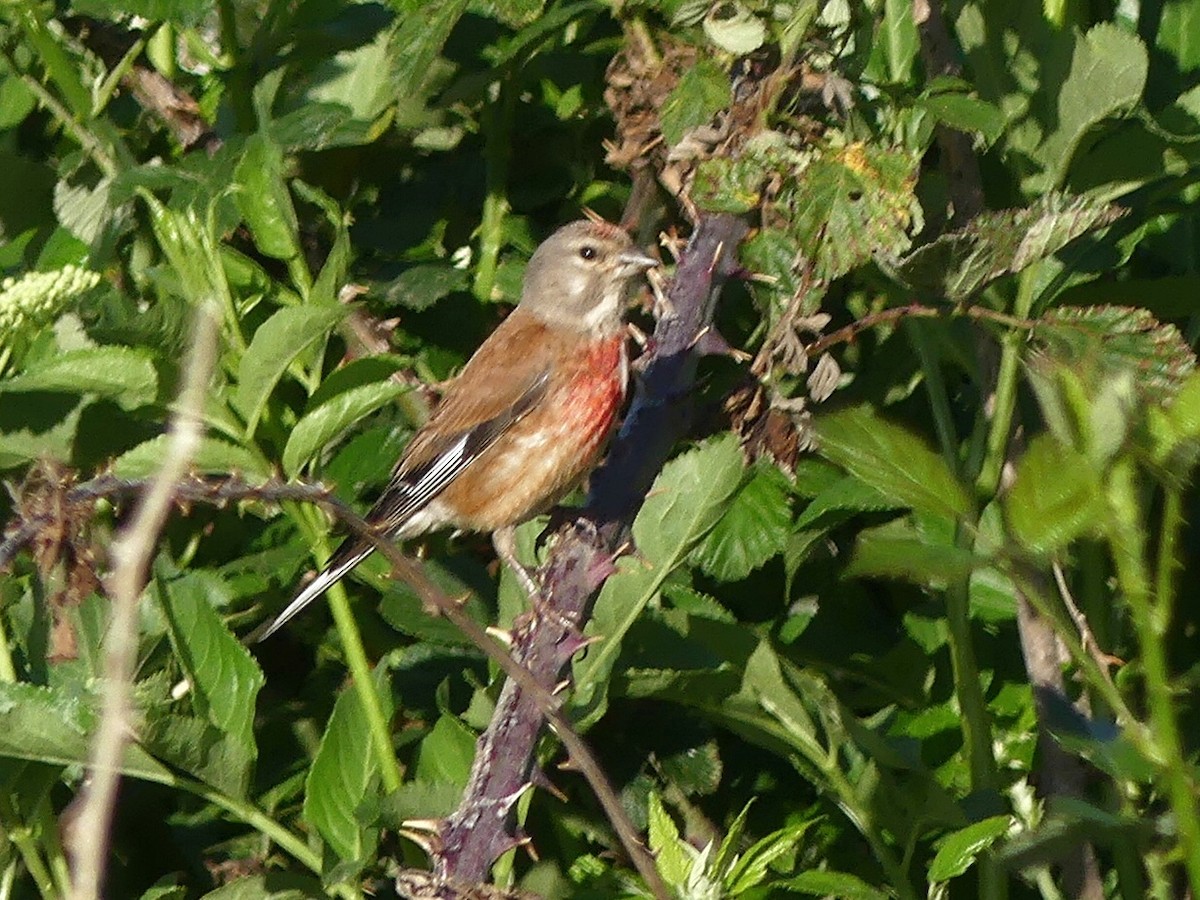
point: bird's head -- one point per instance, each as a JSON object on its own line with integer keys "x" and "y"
{"x": 579, "y": 276}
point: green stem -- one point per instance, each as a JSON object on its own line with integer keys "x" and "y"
{"x": 1152, "y": 619}
{"x": 935, "y": 386}
{"x": 498, "y": 140}
{"x": 356, "y": 658}
{"x": 58, "y": 65}
{"x": 109, "y": 86}
{"x": 976, "y": 725}
{"x": 364, "y": 686}
{"x": 60, "y": 871}
{"x": 21, "y": 836}
{"x": 1005, "y": 397}
{"x": 862, "y": 818}
{"x": 8, "y": 671}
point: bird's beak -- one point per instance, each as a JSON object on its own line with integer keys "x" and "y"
{"x": 634, "y": 262}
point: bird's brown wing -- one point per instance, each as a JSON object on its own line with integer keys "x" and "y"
{"x": 506, "y": 378}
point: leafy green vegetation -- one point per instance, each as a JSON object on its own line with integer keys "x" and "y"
{"x": 905, "y": 610}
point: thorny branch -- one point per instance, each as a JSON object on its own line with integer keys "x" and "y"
{"x": 545, "y": 638}
{"x": 234, "y": 489}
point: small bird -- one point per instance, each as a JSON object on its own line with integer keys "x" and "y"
{"x": 528, "y": 415}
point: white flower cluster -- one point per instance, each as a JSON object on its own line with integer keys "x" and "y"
{"x": 36, "y": 298}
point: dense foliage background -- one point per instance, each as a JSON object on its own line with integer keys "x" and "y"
{"x": 909, "y": 615}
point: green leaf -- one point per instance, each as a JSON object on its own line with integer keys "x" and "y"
{"x": 418, "y": 41}
{"x": 214, "y": 456}
{"x": 898, "y": 38}
{"x": 838, "y": 885}
{"x": 753, "y": 529}
{"x": 730, "y": 847}
{"x": 898, "y": 550}
{"x": 198, "y": 747}
{"x": 959, "y": 851}
{"x": 275, "y": 344}
{"x": 333, "y": 417}
{"x": 123, "y": 373}
{"x": 852, "y": 204}
{"x": 180, "y": 12}
{"x": 1109, "y": 339}
{"x": 86, "y": 210}
{"x": 841, "y": 499}
{"x": 1055, "y": 498}
{"x": 446, "y": 753}
{"x": 275, "y": 886}
{"x": 685, "y": 502}
{"x": 343, "y": 772}
{"x": 264, "y": 200}
{"x": 957, "y": 265}
{"x": 1178, "y": 33}
{"x": 55, "y": 726}
{"x": 673, "y": 862}
{"x": 419, "y": 287}
{"x": 1108, "y": 72}
{"x": 892, "y": 460}
{"x": 687, "y": 499}
{"x": 734, "y": 28}
{"x": 702, "y": 92}
{"x": 225, "y": 679}
{"x": 752, "y": 868}
{"x": 360, "y": 79}
{"x": 965, "y": 112}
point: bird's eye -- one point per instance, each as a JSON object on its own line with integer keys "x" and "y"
{"x": 587, "y": 251}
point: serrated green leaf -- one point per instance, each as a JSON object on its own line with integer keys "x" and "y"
{"x": 275, "y": 344}
{"x": 703, "y": 91}
{"x": 342, "y": 772}
{"x": 214, "y": 456}
{"x": 1108, "y": 339}
{"x": 684, "y": 503}
{"x": 687, "y": 499}
{"x": 853, "y": 204}
{"x": 1108, "y": 72}
{"x": 197, "y": 747}
{"x": 1055, "y": 498}
{"x": 753, "y": 529}
{"x": 960, "y": 850}
{"x": 264, "y": 200}
{"x": 846, "y": 496}
{"x": 333, "y": 417}
{"x": 225, "y": 679}
{"x": 892, "y": 460}
{"x": 694, "y": 770}
{"x": 85, "y": 210}
{"x": 125, "y": 374}
{"x": 55, "y": 726}
{"x": 898, "y": 550}
{"x": 727, "y": 853}
{"x": 752, "y": 868}
{"x": 672, "y": 861}
{"x": 418, "y": 41}
{"x": 1184, "y": 411}
{"x": 957, "y": 265}
{"x": 420, "y": 287}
